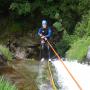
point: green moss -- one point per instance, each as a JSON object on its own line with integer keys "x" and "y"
{"x": 78, "y": 49}
{"x": 5, "y": 51}
{"x": 6, "y": 85}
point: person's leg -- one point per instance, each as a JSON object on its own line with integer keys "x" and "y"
{"x": 42, "y": 51}
{"x": 49, "y": 53}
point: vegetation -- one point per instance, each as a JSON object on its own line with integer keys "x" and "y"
{"x": 5, "y": 51}
{"x": 58, "y": 26}
{"x": 17, "y": 16}
{"x": 78, "y": 49}
{"x": 20, "y": 8}
{"x": 5, "y": 85}
{"x": 82, "y": 28}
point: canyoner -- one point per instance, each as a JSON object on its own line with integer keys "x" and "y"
{"x": 45, "y": 34}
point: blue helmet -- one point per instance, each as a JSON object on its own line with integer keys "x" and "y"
{"x": 44, "y": 22}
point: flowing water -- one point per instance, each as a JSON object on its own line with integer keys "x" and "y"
{"x": 21, "y": 73}
{"x": 43, "y": 77}
{"x": 34, "y": 75}
{"x": 81, "y": 73}
{"x": 27, "y": 74}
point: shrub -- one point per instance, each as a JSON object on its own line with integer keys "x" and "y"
{"x": 78, "y": 49}
{"x": 21, "y": 8}
{"x": 5, "y": 85}
{"x": 83, "y": 28}
{"x": 58, "y": 26}
{"x": 64, "y": 44}
{"x": 5, "y": 51}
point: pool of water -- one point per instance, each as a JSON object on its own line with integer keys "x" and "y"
{"x": 21, "y": 73}
{"x": 27, "y": 74}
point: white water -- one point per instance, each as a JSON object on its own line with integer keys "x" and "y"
{"x": 79, "y": 71}
{"x": 42, "y": 80}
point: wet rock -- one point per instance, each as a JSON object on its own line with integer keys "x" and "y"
{"x": 32, "y": 52}
{"x": 12, "y": 45}
{"x": 23, "y": 48}
{"x": 88, "y": 56}
{"x": 3, "y": 60}
{"x": 20, "y": 54}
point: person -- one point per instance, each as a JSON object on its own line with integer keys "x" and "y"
{"x": 45, "y": 34}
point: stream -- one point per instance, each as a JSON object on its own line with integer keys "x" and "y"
{"x": 81, "y": 72}
{"x": 22, "y": 73}
{"x": 34, "y": 75}
{"x": 27, "y": 74}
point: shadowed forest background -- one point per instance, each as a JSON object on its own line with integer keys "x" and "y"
{"x": 18, "y": 17}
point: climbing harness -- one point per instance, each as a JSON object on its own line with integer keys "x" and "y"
{"x": 52, "y": 81}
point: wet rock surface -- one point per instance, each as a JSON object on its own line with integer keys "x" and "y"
{"x": 3, "y": 60}
{"x": 88, "y": 55}
{"x": 87, "y": 59}
{"x": 23, "y": 47}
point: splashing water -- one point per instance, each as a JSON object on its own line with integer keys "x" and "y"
{"x": 43, "y": 79}
{"x": 81, "y": 73}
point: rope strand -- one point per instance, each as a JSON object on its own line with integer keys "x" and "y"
{"x": 51, "y": 77}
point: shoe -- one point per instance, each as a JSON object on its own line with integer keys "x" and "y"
{"x": 42, "y": 59}
{"x": 49, "y": 60}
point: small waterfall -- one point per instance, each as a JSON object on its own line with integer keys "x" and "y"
{"x": 81, "y": 73}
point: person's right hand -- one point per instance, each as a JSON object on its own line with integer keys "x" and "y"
{"x": 45, "y": 39}
{"x": 42, "y": 37}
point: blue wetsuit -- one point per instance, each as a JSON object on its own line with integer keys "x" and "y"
{"x": 47, "y": 33}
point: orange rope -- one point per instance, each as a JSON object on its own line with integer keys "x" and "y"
{"x": 64, "y": 66}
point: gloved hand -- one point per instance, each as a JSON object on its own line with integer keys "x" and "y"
{"x": 42, "y": 41}
{"x": 42, "y": 37}
{"x": 45, "y": 39}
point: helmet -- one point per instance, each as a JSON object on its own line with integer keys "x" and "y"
{"x": 44, "y": 22}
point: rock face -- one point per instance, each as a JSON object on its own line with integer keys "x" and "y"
{"x": 88, "y": 53}
{"x": 88, "y": 56}
{"x": 23, "y": 48}
{"x": 2, "y": 59}
{"x": 20, "y": 53}
{"x": 32, "y": 52}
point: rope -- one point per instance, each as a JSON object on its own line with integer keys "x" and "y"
{"x": 51, "y": 77}
{"x": 65, "y": 66}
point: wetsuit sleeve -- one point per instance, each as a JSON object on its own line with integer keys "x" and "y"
{"x": 49, "y": 33}
{"x": 39, "y": 31}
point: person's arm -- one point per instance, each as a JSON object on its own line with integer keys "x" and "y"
{"x": 49, "y": 33}
{"x": 40, "y": 32}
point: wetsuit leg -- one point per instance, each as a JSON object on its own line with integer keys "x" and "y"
{"x": 49, "y": 53}
{"x": 42, "y": 50}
